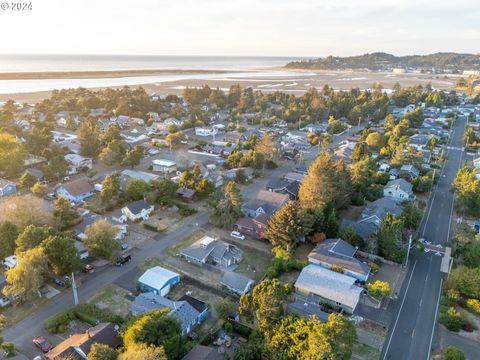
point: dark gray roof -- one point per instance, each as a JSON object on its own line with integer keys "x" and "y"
{"x": 380, "y": 208}
{"x": 87, "y": 220}
{"x": 201, "y": 352}
{"x": 304, "y": 309}
{"x": 363, "y": 229}
{"x": 339, "y": 253}
{"x": 235, "y": 281}
{"x": 137, "y": 206}
{"x": 277, "y": 184}
{"x": 198, "y": 305}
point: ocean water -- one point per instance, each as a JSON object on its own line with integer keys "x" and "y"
{"x": 235, "y": 67}
{"x": 34, "y": 63}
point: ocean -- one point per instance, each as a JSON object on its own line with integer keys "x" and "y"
{"x": 39, "y": 63}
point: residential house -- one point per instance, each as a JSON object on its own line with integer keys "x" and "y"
{"x": 419, "y": 141}
{"x": 318, "y": 285}
{"x": 202, "y": 352}
{"x": 253, "y": 227}
{"x": 294, "y": 176}
{"x": 186, "y": 194}
{"x": 158, "y": 280}
{"x": 76, "y": 191}
{"x": 128, "y": 174}
{"x": 301, "y": 169}
{"x": 89, "y": 219}
{"x": 78, "y": 346}
{"x": 264, "y": 202}
{"x": 284, "y": 187}
{"x": 189, "y": 311}
{"x": 208, "y": 250}
{"x": 411, "y": 171}
{"x": 237, "y": 283}
{"x": 344, "y": 152}
{"x": 78, "y": 162}
{"x": 164, "y": 166}
{"x": 232, "y": 173}
{"x": 37, "y": 174}
{"x": 82, "y": 251}
{"x": 399, "y": 190}
{"x": 338, "y": 255}
{"x": 204, "y": 131}
{"x": 7, "y": 187}
{"x": 138, "y": 210}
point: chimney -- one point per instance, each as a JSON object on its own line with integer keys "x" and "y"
{"x": 88, "y": 333}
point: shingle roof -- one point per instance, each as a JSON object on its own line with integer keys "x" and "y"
{"x": 381, "y": 207}
{"x": 103, "y": 333}
{"x": 137, "y": 206}
{"x": 235, "y": 281}
{"x": 198, "y": 305}
{"x": 78, "y": 187}
{"x": 339, "y": 253}
{"x": 201, "y": 352}
{"x": 329, "y": 285}
{"x": 401, "y": 184}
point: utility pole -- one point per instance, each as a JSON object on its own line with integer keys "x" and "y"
{"x": 433, "y": 177}
{"x": 74, "y": 288}
{"x": 408, "y": 250}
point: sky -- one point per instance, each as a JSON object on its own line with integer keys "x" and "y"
{"x": 305, "y": 28}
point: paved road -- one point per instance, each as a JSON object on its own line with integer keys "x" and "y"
{"x": 414, "y": 321}
{"x": 22, "y": 333}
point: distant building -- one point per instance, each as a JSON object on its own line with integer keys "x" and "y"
{"x": 7, "y": 187}
{"x": 76, "y": 191}
{"x": 138, "y": 210}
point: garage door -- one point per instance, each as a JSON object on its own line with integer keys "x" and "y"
{"x": 165, "y": 290}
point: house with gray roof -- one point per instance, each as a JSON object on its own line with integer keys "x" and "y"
{"x": 208, "y": 250}
{"x": 189, "y": 311}
{"x": 202, "y": 352}
{"x": 318, "y": 285}
{"x": 399, "y": 190}
{"x": 237, "y": 283}
{"x": 264, "y": 202}
{"x": 411, "y": 171}
{"x": 337, "y": 253}
{"x": 137, "y": 210}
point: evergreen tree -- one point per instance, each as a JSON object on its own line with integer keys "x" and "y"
{"x": 89, "y": 137}
{"x": 285, "y": 227}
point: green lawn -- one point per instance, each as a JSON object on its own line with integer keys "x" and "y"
{"x": 149, "y": 264}
{"x": 254, "y": 264}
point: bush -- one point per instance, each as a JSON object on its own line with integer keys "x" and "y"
{"x": 280, "y": 265}
{"x": 240, "y": 329}
{"x": 185, "y": 210}
{"x": 58, "y": 323}
{"x": 93, "y": 315}
{"x": 473, "y": 305}
{"x": 468, "y": 326}
{"x": 9, "y": 348}
{"x": 452, "y": 319}
{"x": 452, "y": 353}
{"x": 158, "y": 228}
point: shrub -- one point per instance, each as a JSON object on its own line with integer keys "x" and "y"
{"x": 9, "y": 348}
{"x": 93, "y": 315}
{"x": 468, "y": 326}
{"x": 280, "y": 265}
{"x": 473, "y": 305}
{"x": 58, "y": 323}
{"x": 373, "y": 266}
{"x": 379, "y": 289}
{"x": 452, "y": 353}
{"x": 452, "y": 319}
{"x": 240, "y": 329}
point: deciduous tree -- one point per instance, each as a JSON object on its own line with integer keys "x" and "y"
{"x": 101, "y": 240}
{"x": 64, "y": 213}
{"x": 61, "y": 253}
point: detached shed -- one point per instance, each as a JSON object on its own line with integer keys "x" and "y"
{"x": 158, "y": 280}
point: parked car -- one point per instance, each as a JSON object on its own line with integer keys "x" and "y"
{"x": 4, "y": 301}
{"x": 237, "y": 235}
{"x": 122, "y": 260}
{"x": 89, "y": 269}
{"x": 42, "y": 344}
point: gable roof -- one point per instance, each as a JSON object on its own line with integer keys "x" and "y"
{"x": 330, "y": 285}
{"x": 380, "y": 208}
{"x": 235, "y": 281}
{"x": 137, "y": 206}
{"x": 339, "y": 253}
{"x": 401, "y": 184}
{"x": 198, "y": 305}
{"x": 201, "y": 352}
{"x": 156, "y": 277}
{"x": 78, "y": 187}
{"x": 75, "y": 345}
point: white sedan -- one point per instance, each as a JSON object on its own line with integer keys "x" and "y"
{"x": 237, "y": 235}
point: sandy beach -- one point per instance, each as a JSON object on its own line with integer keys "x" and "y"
{"x": 275, "y": 79}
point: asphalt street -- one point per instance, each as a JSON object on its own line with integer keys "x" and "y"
{"x": 414, "y": 324}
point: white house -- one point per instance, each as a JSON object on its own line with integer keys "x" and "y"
{"x": 78, "y": 161}
{"x": 138, "y": 210}
{"x": 164, "y": 166}
{"x": 399, "y": 189}
{"x": 10, "y": 262}
{"x": 203, "y": 131}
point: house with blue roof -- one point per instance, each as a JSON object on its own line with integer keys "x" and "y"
{"x": 7, "y": 187}
{"x": 188, "y": 311}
